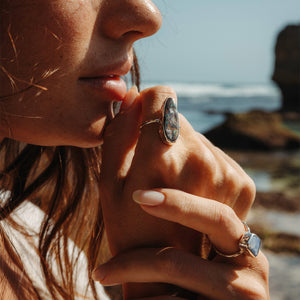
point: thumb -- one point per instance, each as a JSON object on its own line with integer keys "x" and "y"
{"x": 120, "y": 138}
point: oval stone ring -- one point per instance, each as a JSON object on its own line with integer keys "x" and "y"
{"x": 169, "y": 122}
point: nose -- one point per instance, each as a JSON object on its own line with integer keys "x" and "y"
{"x": 129, "y": 19}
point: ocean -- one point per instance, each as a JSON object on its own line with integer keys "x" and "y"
{"x": 204, "y": 105}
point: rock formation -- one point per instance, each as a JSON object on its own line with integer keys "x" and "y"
{"x": 287, "y": 67}
{"x": 255, "y": 130}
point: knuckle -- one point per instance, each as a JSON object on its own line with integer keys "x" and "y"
{"x": 248, "y": 190}
{"x": 158, "y": 91}
{"x": 207, "y": 165}
{"x": 239, "y": 182}
{"x": 231, "y": 180}
{"x": 210, "y": 162}
{"x": 225, "y": 216}
{"x": 251, "y": 188}
{"x": 231, "y": 175}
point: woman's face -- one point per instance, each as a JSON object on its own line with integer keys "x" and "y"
{"x": 62, "y": 61}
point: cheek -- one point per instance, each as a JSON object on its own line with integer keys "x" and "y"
{"x": 35, "y": 39}
{"x": 47, "y": 121}
{"x": 74, "y": 28}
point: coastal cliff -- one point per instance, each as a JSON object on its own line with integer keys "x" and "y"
{"x": 287, "y": 67}
{"x": 260, "y": 130}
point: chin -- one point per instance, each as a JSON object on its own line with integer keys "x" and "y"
{"x": 90, "y": 136}
{"x": 90, "y": 143}
{"x": 87, "y": 140}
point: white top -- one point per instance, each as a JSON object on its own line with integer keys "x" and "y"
{"x": 30, "y": 216}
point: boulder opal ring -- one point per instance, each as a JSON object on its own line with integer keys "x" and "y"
{"x": 169, "y": 122}
{"x": 249, "y": 243}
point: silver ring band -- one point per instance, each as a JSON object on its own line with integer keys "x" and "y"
{"x": 150, "y": 122}
{"x": 249, "y": 243}
{"x": 169, "y": 122}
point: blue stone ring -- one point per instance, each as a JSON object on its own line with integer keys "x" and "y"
{"x": 249, "y": 243}
{"x": 169, "y": 122}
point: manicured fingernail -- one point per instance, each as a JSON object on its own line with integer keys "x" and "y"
{"x": 99, "y": 273}
{"x": 151, "y": 198}
{"x": 130, "y": 97}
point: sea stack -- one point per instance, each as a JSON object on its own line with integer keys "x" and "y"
{"x": 287, "y": 68}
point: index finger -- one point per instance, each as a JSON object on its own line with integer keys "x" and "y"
{"x": 217, "y": 220}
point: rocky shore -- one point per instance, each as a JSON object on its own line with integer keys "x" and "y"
{"x": 275, "y": 215}
{"x": 255, "y": 130}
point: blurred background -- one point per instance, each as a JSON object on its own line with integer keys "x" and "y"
{"x": 235, "y": 66}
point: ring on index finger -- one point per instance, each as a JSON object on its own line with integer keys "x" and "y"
{"x": 249, "y": 243}
{"x": 169, "y": 122}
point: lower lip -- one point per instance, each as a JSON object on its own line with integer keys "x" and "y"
{"x": 109, "y": 87}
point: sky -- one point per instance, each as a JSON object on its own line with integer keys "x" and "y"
{"x": 215, "y": 41}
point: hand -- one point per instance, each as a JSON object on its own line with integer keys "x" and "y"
{"x": 192, "y": 168}
{"x": 243, "y": 277}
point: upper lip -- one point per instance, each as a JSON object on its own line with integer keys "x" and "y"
{"x": 118, "y": 68}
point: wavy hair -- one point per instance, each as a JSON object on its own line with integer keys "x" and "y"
{"x": 66, "y": 178}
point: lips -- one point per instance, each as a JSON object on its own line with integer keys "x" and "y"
{"x": 107, "y": 81}
{"x": 111, "y": 87}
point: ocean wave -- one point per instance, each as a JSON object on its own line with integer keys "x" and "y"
{"x": 200, "y": 90}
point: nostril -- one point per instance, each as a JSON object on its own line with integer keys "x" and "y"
{"x": 134, "y": 19}
{"x": 133, "y": 33}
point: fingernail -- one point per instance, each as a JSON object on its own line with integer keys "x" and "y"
{"x": 151, "y": 198}
{"x": 130, "y": 97}
{"x": 99, "y": 273}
